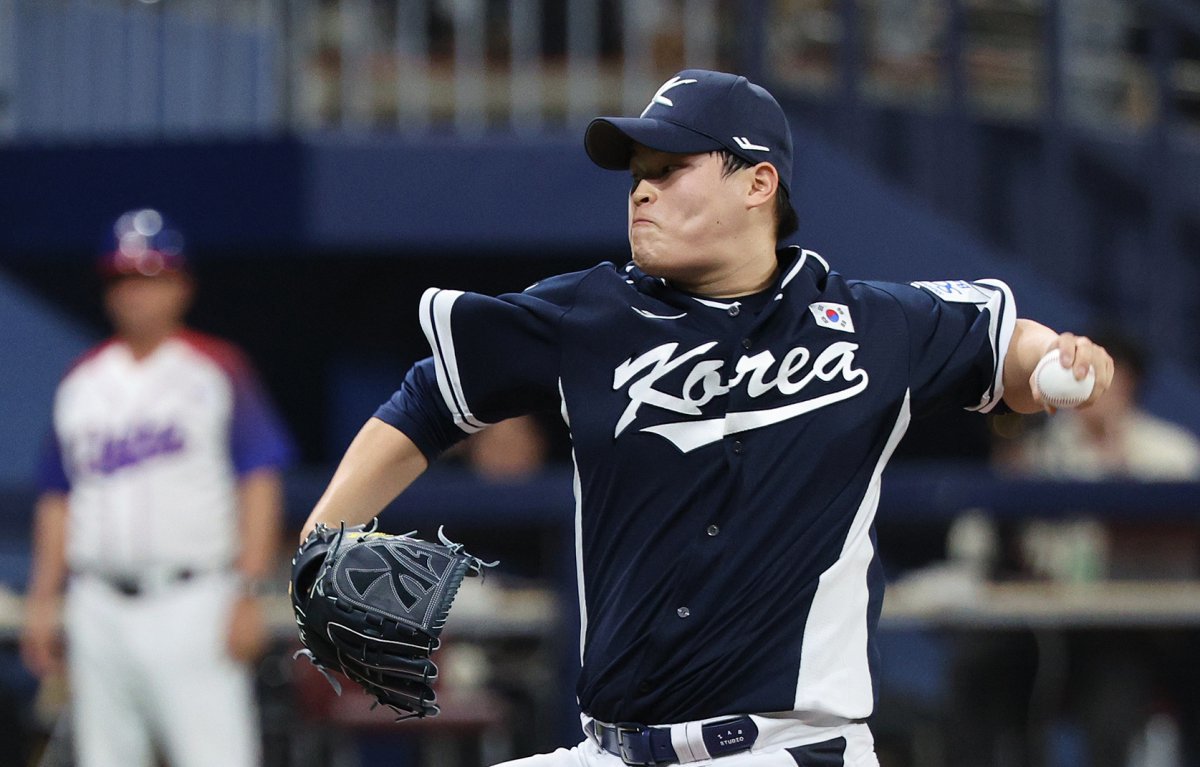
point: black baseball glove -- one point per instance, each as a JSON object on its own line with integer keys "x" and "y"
{"x": 372, "y": 606}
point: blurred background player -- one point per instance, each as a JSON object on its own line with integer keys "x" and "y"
{"x": 159, "y": 511}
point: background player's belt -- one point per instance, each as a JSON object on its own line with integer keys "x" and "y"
{"x": 638, "y": 744}
{"x": 136, "y": 586}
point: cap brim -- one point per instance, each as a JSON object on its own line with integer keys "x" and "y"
{"x": 151, "y": 263}
{"x": 609, "y": 140}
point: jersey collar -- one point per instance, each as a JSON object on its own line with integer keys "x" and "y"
{"x": 801, "y": 271}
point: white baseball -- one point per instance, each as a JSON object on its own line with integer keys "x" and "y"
{"x": 1058, "y": 385}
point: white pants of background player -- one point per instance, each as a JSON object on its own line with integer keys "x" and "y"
{"x": 782, "y": 742}
{"x": 152, "y": 671}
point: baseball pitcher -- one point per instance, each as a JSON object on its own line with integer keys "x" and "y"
{"x": 732, "y": 407}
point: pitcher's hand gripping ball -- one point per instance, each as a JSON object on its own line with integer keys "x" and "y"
{"x": 1058, "y": 386}
{"x": 372, "y": 606}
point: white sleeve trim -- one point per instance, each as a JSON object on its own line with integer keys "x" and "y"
{"x": 1002, "y": 323}
{"x": 435, "y": 321}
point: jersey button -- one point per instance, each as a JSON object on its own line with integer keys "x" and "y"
{"x": 712, "y": 531}
{"x": 745, "y": 343}
{"x": 735, "y": 310}
{"x": 683, "y": 612}
{"x": 737, "y": 447}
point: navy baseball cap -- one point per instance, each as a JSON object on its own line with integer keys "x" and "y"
{"x": 699, "y": 111}
{"x": 143, "y": 243}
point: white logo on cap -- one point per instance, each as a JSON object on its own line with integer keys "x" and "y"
{"x": 745, "y": 143}
{"x": 659, "y": 98}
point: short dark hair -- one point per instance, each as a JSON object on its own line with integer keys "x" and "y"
{"x": 786, "y": 220}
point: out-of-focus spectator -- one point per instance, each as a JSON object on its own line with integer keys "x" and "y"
{"x": 1113, "y": 439}
{"x": 1120, "y": 687}
{"x": 512, "y": 449}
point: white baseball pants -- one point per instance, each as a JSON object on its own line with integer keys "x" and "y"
{"x": 153, "y": 670}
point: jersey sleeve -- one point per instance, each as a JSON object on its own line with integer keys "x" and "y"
{"x": 495, "y": 358}
{"x": 418, "y": 409}
{"x": 257, "y": 438}
{"x": 51, "y": 470}
{"x": 959, "y": 333}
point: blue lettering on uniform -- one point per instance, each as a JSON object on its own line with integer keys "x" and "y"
{"x": 115, "y": 452}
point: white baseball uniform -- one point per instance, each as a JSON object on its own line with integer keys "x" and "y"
{"x": 150, "y": 453}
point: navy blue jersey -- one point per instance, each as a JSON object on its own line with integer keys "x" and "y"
{"x": 728, "y": 459}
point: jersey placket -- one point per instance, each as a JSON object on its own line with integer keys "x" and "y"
{"x": 690, "y": 605}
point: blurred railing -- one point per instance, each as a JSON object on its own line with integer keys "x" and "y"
{"x": 1072, "y": 74}
{"x": 1100, "y": 62}
{"x": 88, "y": 70}
{"x": 72, "y": 69}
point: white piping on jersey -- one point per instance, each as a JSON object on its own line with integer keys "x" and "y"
{"x": 1006, "y": 318}
{"x": 800, "y": 262}
{"x": 577, "y": 489}
{"x": 435, "y": 321}
{"x": 723, "y": 305}
{"x": 835, "y": 673}
{"x": 994, "y": 297}
{"x": 653, "y": 316}
{"x": 824, "y": 264}
{"x": 796, "y": 267}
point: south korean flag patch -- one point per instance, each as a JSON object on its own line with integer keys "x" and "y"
{"x": 835, "y": 316}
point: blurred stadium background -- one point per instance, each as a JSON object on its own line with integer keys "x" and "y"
{"x": 327, "y": 160}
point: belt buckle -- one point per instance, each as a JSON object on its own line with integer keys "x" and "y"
{"x": 640, "y": 731}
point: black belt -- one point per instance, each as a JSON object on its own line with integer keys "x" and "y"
{"x": 637, "y": 744}
{"x": 134, "y": 586}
